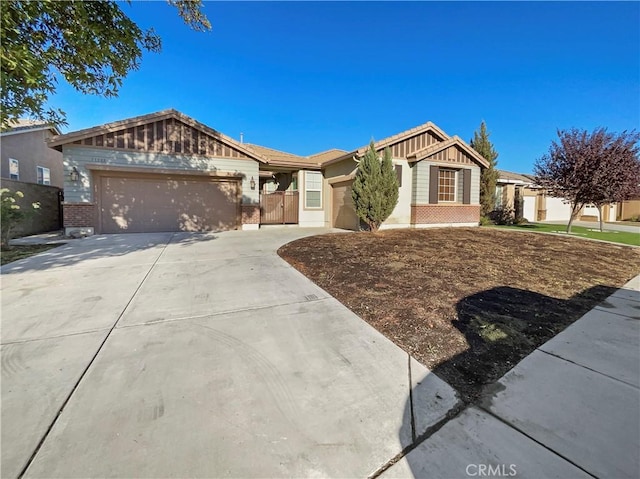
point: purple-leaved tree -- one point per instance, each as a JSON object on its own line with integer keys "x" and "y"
{"x": 591, "y": 168}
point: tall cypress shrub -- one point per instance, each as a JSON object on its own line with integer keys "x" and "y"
{"x": 489, "y": 176}
{"x": 375, "y": 188}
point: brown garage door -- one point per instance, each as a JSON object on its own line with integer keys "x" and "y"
{"x": 155, "y": 203}
{"x": 344, "y": 213}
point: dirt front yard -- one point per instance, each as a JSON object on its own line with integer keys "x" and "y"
{"x": 469, "y": 303}
{"x": 23, "y": 251}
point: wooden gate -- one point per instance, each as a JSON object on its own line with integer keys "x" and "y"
{"x": 279, "y": 208}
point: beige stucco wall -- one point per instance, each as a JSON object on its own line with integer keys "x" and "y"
{"x": 628, "y": 209}
{"x": 401, "y": 214}
{"x": 31, "y": 151}
{"x": 82, "y": 191}
{"x": 312, "y": 217}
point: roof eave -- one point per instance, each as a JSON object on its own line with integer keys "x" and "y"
{"x": 295, "y": 164}
{"x": 23, "y": 129}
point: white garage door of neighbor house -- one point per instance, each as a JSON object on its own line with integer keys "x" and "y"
{"x": 156, "y": 203}
{"x": 529, "y": 208}
{"x": 557, "y": 209}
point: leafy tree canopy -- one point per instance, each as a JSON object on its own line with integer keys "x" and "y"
{"x": 598, "y": 167}
{"x": 375, "y": 188}
{"x": 92, "y": 45}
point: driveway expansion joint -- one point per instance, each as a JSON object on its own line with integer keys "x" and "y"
{"x": 413, "y": 416}
{"x": 85, "y": 370}
{"x": 451, "y": 414}
{"x": 221, "y": 313}
{"x": 58, "y": 336}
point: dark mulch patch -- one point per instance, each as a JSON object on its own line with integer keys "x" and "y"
{"x": 23, "y": 251}
{"x": 468, "y": 303}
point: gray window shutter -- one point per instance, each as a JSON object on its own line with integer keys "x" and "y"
{"x": 399, "y": 174}
{"x": 466, "y": 187}
{"x": 433, "y": 184}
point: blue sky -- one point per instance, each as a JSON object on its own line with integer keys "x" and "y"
{"x": 308, "y": 76}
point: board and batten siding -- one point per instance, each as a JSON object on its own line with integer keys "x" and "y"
{"x": 169, "y": 136}
{"x": 421, "y": 173}
{"x": 82, "y": 191}
{"x": 406, "y": 147}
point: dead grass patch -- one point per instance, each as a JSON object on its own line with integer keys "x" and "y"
{"x": 467, "y": 302}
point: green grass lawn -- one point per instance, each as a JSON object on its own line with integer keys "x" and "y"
{"x": 632, "y": 239}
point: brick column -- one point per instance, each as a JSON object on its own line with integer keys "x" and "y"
{"x": 250, "y": 216}
{"x": 79, "y": 217}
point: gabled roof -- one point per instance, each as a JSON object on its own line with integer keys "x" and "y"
{"x": 275, "y": 156}
{"x": 24, "y": 125}
{"x": 379, "y": 145}
{"x": 284, "y": 159}
{"x": 509, "y": 177}
{"x": 57, "y": 141}
{"x": 453, "y": 141}
{"x": 327, "y": 155}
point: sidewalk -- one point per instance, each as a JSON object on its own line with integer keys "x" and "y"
{"x": 569, "y": 409}
{"x": 617, "y": 226}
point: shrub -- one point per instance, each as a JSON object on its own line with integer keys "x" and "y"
{"x": 505, "y": 215}
{"x": 12, "y": 214}
{"x": 375, "y": 188}
{"x": 485, "y": 221}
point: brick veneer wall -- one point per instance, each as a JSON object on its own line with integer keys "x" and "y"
{"x": 250, "y": 214}
{"x": 78, "y": 214}
{"x": 437, "y": 214}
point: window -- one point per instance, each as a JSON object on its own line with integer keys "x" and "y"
{"x": 312, "y": 189}
{"x": 43, "y": 175}
{"x": 498, "y": 197}
{"x": 14, "y": 169}
{"x": 446, "y": 185}
{"x": 398, "y": 169}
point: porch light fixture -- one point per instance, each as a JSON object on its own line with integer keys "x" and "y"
{"x": 252, "y": 183}
{"x": 74, "y": 175}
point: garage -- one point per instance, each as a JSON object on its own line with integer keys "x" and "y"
{"x": 146, "y": 203}
{"x": 529, "y": 211}
{"x": 557, "y": 209}
{"x": 344, "y": 212}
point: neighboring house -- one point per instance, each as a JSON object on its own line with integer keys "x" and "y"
{"x": 629, "y": 210}
{"x": 168, "y": 172}
{"x": 26, "y": 156}
{"x": 514, "y": 190}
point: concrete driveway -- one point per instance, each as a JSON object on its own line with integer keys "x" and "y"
{"x": 185, "y": 355}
